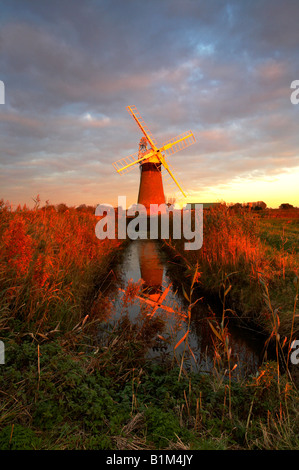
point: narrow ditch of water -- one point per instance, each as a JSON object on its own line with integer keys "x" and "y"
{"x": 146, "y": 293}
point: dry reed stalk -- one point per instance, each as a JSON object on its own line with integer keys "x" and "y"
{"x": 296, "y": 283}
{"x": 12, "y": 429}
{"x": 129, "y": 440}
{"x": 179, "y": 445}
{"x": 38, "y": 362}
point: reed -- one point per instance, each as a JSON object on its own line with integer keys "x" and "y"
{"x": 46, "y": 262}
{"x": 65, "y": 387}
{"x": 252, "y": 276}
{"x": 241, "y": 246}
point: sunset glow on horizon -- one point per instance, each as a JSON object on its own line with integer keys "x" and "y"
{"x": 275, "y": 191}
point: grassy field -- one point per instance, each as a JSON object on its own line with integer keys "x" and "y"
{"x": 65, "y": 387}
{"x": 253, "y": 260}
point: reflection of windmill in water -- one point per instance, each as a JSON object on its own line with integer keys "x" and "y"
{"x": 151, "y": 269}
{"x": 156, "y": 294}
{"x": 152, "y": 162}
{"x": 162, "y": 299}
{"x": 155, "y": 291}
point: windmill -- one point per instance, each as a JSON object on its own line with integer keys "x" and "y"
{"x": 152, "y": 161}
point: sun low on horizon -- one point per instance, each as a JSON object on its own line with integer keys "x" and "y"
{"x": 274, "y": 192}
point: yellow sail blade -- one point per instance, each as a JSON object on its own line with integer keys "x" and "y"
{"x": 125, "y": 164}
{"x": 178, "y": 143}
{"x": 142, "y": 126}
{"x": 167, "y": 168}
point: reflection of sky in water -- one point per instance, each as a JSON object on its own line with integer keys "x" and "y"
{"x": 144, "y": 260}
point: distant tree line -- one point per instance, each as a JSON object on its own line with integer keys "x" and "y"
{"x": 285, "y": 205}
{"x": 254, "y": 206}
{"x": 62, "y": 207}
{"x": 258, "y": 206}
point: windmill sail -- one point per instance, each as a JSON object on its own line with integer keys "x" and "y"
{"x": 169, "y": 170}
{"x": 153, "y": 162}
{"x": 180, "y": 142}
{"x": 125, "y": 164}
{"x": 143, "y": 127}
{"x": 170, "y": 183}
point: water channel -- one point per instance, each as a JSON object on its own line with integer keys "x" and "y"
{"x": 145, "y": 271}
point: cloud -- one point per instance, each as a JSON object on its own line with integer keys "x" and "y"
{"x": 71, "y": 68}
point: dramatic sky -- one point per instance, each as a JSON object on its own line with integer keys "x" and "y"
{"x": 220, "y": 68}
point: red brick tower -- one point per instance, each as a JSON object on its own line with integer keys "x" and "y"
{"x": 151, "y": 162}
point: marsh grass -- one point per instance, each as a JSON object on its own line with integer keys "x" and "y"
{"x": 252, "y": 266}
{"x": 48, "y": 265}
{"x": 75, "y": 391}
{"x": 66, "y": 386}
{"x": 247, "y": 249}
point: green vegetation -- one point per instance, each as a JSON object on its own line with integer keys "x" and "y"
{"x": 280, "y": 234}
{"x": 64, "y": 394}
{"x": 70, "y": 382}
{"x": 257, "y": 259}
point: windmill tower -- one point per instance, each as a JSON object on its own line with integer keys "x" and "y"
{"x": 152, "y": 161}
